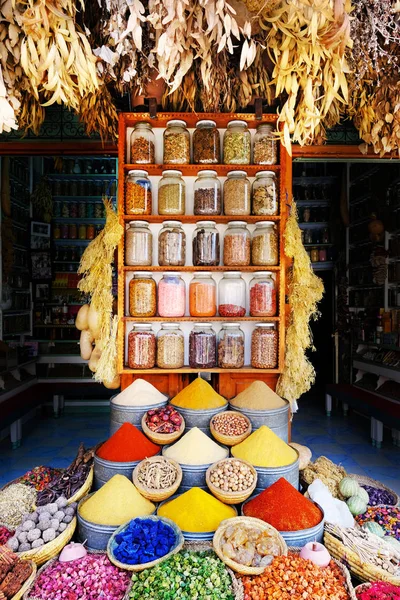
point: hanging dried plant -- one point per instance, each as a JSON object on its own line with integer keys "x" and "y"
{"x": 99, "y": 115}
{"x": 8, "y": 108}
{"x": 107, "y": 369}
{"x": 31, "y": 115}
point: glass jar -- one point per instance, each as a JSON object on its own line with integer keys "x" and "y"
{"x": 264, "y": 245}
{"x": 171, "y": 245}
{"x": 65, "y": 231}
{"x": 264, "y": 346}
{"x": 57, "y": 209}
{"x": 314, "y": 255}
{"x": 205, "y": 245}
{"x": 170, "y": 346}
{"x": 202, "y": 295}
{"x": 232, "y": 295}
{"x": 142, "y": 295}
{"x": 207, "y": 194}
{"x": 264, "y": 194}
{"x": 73, "y": 210}
{"x": 171, "y": 193}
{"x": 322, "y": 254}
{"x": 176, "y": 143}
{"x": 141, "y": 347}
{"x": 230, "y": 346}
{"x": 65, "y": 210}
{"x": 90, "y": 232}
{"x": 237, "y": 194}
{"x": 265, "y": 145}
{"x": 171, "y": 295}
{"x": 206, "y": 143}
{"x": 237, "y": 244}
{"x": 57, "y": 231}
{"x": 262, "y": 295}
{"x": 138, "y": 197}
{"x": 90, "y": 210}
{"x": 138, "y": 244}
{"x": 98, "y": 210}
{"x": 142, "y": 144}
{"x": 202, "y": 347}
{"x": 308, "y": 238}
{"x": 73, "y": 231}
{"x": 82, "y": 210}
{"x": 237, "y": 144}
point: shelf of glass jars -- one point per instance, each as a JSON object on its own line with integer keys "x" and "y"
{"x": 216, "y": 319}
{"x": 82, "y": 175}
{"x": 86, "y": 220}
{"x": 246, "y": 369}
{"x": 192, "y": 170}
{"x": 196, "y": 218}
{"x": 68, "y": 241}
{"x": 191, "y": 268}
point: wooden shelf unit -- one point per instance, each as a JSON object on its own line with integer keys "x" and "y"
{"x": 229, "y": 379}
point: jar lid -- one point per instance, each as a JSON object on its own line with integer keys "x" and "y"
{"x": 235, "y": 123}
{"x": 171, "y": 172}
{"x": 142, "y": 274}
{"x": 262, "y": 273}
{"x": 176, "y": 122}
{"x": 171, "y": 325}
{"x": 232, "y": 274}
{"x": 231, "y": 325}
{"x": 236, "y": 174}
{"x": 143, "y": 124}
{"x": 267, "y": 325}
{"x": 237, "y": 224}
{"x": 142, "y": 326}
{"x": 138, "y": 172}
{"x": 206, "y": 122}
{"x": 205, "y": 224}
{"x": 203, "y": 274}
{"x": 202, "y": 324}
{"x": 172, "y": 224}
{"x": 265, "y": 174}
{"x": 207, "y": 173}
{"x": 138, "y": 223}
{"x": 171, "y": 274}
{"x": 265, "y": 224}
{"x": 266, "y": 126}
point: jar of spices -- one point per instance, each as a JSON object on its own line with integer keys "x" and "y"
{"x": 264, "y": 194}
{"x": 314, "y": 255}
{"x": 170, "y": 347}
{"x": 65, "y": 210}
{"x": 322, "y": 255}
{"x": 56, "y": 209}
{"x": 265, "y": 146}
{"x": 98, "y": 210}
{"x": 237, "y": 194}
{"x": 325, "y": 236}
{"x": 207, "y": 194}
{"x": 232, "y": 295}
{"x": 138, "y": 244}
{"x": 82, "y": 187}
{"x": 171, "y": 193}
{"x": 237, "y": 244}
{"x": 306, "y": 214}
{"x": 171, "y": 245}
{"x": 138, "y": 197}
{"x": 57, "y": 231}
{"x": 202, "y": 347}
{"x": 202, "y": 295}
{"x": 82, "y": 231}
{"x": 82, "y": 210}
{"x": 230, "y": 346}
{"x": 141, "y": 347}
{"x": 264, "y": 245}
{"x": 237, "y": 144}
{"x": 171, "y": 295}
{"x": 90, "y": 232}
{"x": 264, "y": 346}
{"x": 57, "y": 187}
{"x": 72, "y": 231}
{"x": 308, "y": 239}
{"x": 176, "y": 143}
{"x": 205, "y": 245}
{"x": 262, "y": 295}
{"x": 73, "y": 189}
{"x": 73, "y": 210}
{"x": 142, "y": 144}
{"x": 90, "y": 210}
{"x": 142, "y": 295}
{"x": 206, "y": 143}
{"x": 65, "y": 231}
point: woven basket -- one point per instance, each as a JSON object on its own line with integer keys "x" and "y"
{"x": 162, "y": 438}
{"x": 363, "y": 571}
{"x": 178, "y": 546}
{"x": 231, "y": 440}
{"x": 157, "y": 495}
{"x": 51, "y": 549}
{"x": 362, "y": 587}
{"x": 362, "y": 480}
{"x": 230, "y": 497}
{"x": 85, "y": 489}
{"x": 27, "y": 583}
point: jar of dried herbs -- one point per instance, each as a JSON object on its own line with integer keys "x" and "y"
{"x": 202, "y": 347}
{"x": 142, "y": 144}
{"x": 171, "y": 245}
{"x": 232, "y": 295}
{"x": 206, "y": 143}
{"x": 171, "y": 193}
{"x": 205, "y": 245}
{"x": 264, "y": 194}
{"x": 138, "y": 244}
{"x": 264, "y": 346}
{"x": 176, "y": 143}
{"x": 141, "y": 347}
{"x": 237, "y": 144}
{"x": 170, "y": 346}
{"x": 230, "y": 346}
{"x": 237, "y": 244}
{"x": 207, "y": 194}
{"x": 142, "y": 295}
{"x": 138, "y": 197}
{"x": 265, "y": 145}
{"x": 237, "y": 194}
{"x": 264, "y": 244}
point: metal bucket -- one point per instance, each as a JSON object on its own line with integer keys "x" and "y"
{"x": 276, "y": 419}
{"x": 199, "y": 418}
{"x": 105, "y": 469}
{"x": 193, "y": 475}
{"x": 121, "y": 414}
{"x": 266, "y": 476}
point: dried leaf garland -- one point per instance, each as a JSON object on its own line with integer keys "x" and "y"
{"x": 305, "y": 291}
{"x": 99, "y": 114}
{"x": 107, "y": 366}
{"x": 8, "y": 105}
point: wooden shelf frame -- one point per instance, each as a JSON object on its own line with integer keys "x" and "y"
{"x": 284, "y": 180}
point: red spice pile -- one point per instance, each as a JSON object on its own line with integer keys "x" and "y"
{"x": 127, "y": 445}
{"x": 283, "y": 507}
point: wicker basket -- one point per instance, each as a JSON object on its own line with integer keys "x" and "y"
{"x": 362, "y": 587}
{"x": 162, "y": 438}
{"x": 231, "y": 440}
{"x": 251, "y": 521}
{"x": 27, "y": 583}
{"x": 47, "y": 551}
{"x": 178, "y": 546}
{"x": 157, "y": 495}
{"x": 362, "y": 480}
{"x": 363, "y": 571}
{"x": 230, "y": 497}
{"x": 85, "y": 489}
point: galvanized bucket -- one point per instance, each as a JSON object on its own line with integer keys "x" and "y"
{"x": 121, "y": 414}
{"x": 276, "y": 419}
{"x": 266, "y": 476}
{"x": 193, "y": 475}
{"x": 105, "y": 469}
{"x": 199, "y": 418}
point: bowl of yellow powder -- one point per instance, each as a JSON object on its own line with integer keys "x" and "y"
{"x": 197, "y": 513}
{"x": 198, "y": 402}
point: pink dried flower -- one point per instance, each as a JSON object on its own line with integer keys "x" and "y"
{"x": 380, "y": 590}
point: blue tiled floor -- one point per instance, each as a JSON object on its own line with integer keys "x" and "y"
{"x": 344, "y": 440}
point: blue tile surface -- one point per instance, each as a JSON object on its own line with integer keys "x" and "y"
{"x": 48, "y": 441}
